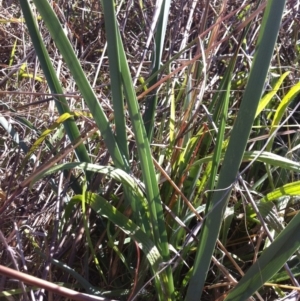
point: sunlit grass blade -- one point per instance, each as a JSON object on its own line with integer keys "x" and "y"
{"x": 290, "y": 189}
{"x": 267, "y": 209}
{"x": 45, "y": 134}
{"x": 268, "y": 97}
{"x": 281, "y": 110}
{"x": 236, "y": 147}
{"x": 13, "y": 52}
{"x": 28, "y": 151}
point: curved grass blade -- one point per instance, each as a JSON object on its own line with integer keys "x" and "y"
{"x": 7, "y": 126}
{"x": 114, "y": 173}
{"x": 265, "y": 157}
{"x": 266, "y": 206}
{"x": 268, "y": 97}
{"x": 288, "y": 98}
{"x": 60, "y": 120}
{"x": 291, "y": 189}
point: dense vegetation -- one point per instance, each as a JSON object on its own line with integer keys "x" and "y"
{"x": 149, "y": 151}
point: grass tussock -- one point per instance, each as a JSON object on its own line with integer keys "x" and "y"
{"x": 149, "y": 151}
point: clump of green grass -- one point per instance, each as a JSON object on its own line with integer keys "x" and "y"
{"x": 168, "y": 169}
